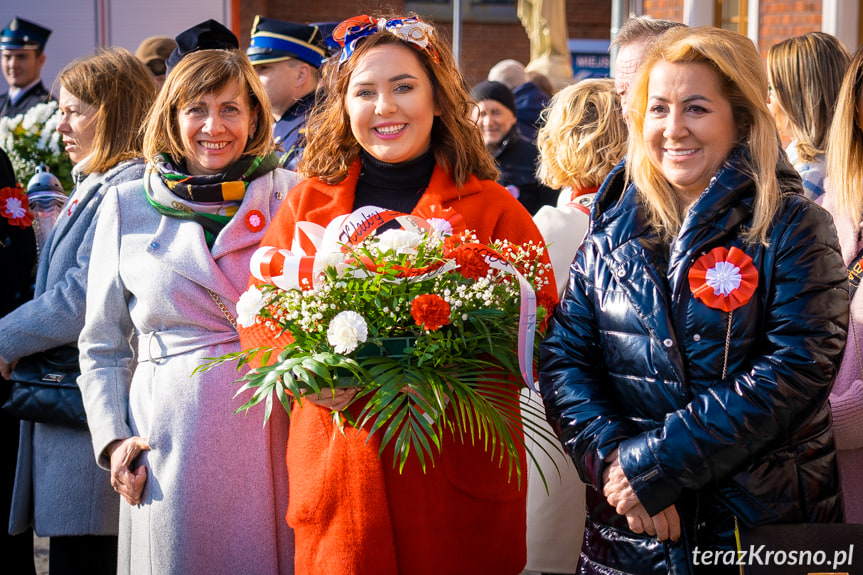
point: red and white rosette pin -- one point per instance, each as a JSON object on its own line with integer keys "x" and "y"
{"x": 255, "y": 221}
{"x": 15, "y": 207}
{"x": 443, "y": 221}
{"x": 723, "y": 279}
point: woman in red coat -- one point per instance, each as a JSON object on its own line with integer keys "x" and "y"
{"x": 396, "y": 132}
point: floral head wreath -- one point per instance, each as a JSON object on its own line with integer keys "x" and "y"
{"x": 411, "y": 30}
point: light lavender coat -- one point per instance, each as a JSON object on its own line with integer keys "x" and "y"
{"x": 216, "y": 491}
{"x": 846, "y": 399}
{"x": 58, "y": 489}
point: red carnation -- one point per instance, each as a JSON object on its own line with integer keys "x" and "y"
{"x": 471, "y": 262}
{"x": 430, "y": 311}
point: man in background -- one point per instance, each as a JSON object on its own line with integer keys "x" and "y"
{"x": 530, "y": 100}
{"x": 288, "y": 58}
{"x": 514, "y": 155}
{"x": 22, "y": 45}
{"x": 154, "y": 53}
{"x": 632, "y": 42}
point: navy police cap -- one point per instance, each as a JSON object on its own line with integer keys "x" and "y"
{"x": 275, "y": 40}
{"x": 209, "y": 35}
{"x": 22, "y": 34}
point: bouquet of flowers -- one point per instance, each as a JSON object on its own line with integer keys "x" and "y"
{"x": 433, "y": 329}
{"x": 31, "y": 139}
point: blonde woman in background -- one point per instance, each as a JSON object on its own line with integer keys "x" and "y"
{"x": 843, "y": 197}
{"x": 804, "y": 74}
{"x": 582, "y": 139}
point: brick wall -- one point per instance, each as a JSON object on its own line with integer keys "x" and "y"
{"x": 664, "y": 9}
{"x": 781, "y": 19}
{"x": 588, "y": 19}
{"x": 483, "y": 45}
{"x": 778, "y": 19}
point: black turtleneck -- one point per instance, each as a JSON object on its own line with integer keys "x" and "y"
{"x": 393, "y": 186}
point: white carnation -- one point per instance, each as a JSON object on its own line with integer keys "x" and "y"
{"x": 399, "y": 241}
{"x": 249, "y": 305}
{"x": 15, "y": 121}
{"x": 48, "y": 130}
{"x": 40, "y": 113}
{"x": 31, "y": 117}
{"x": 54, "y": 144}
{"x": 347, "y": 330}
{"x": 334, "y": 259}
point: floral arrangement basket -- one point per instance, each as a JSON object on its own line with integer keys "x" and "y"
{"x": 31, "y": 139}
{"x": 433, "y": 329}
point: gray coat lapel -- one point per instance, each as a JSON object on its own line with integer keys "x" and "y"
{"x": 181, "y": 246}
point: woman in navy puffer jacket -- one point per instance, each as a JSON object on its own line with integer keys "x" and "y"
{"x": 688, "y": 365}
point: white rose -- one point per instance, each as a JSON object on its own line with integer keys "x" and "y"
{"x": 347, "y": 330}
{"x": 248, "y": 306}
{"x": 399, "y": 241}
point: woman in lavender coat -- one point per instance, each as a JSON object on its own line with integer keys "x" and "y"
{"x": 205, "y": 489}
{"x": 843, "y": 198}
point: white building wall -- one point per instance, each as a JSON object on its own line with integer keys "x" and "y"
{"x": 80, "y": 26}
{"x": 840, "y": 18}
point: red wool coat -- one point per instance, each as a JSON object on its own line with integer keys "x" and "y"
{"x": 351, "y": 511}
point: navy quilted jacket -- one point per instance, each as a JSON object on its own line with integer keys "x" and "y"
{"x": 632, "y": 361}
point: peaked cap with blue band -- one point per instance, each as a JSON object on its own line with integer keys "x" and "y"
{"x": 275, "y": 40}
{"x": 20, "y": 34}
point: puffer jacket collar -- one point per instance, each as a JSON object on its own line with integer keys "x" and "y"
{"x": 636, "y": 255}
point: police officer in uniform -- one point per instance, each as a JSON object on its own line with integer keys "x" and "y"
{"x": 288, "y": 58}
{"x": 22, "y": 45}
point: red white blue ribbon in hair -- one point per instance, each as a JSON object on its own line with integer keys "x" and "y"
{"x": 411, "y": 30}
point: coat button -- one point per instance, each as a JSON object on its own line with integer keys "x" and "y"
{"x": 667, "y": 342}
{"x": 697, "y": 337}
{"x": 621, "y": 273}
{"x": 154, "y": 245}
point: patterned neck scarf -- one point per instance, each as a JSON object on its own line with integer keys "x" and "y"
{"x": 209, "y": 200}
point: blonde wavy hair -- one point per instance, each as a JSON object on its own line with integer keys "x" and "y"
{"x": 583, "y": 136}
{"x": 845, "y": 144}
{"x": 805, "y": 74}
{"x": 743, "y": 81}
